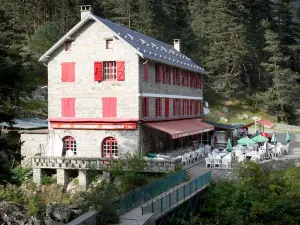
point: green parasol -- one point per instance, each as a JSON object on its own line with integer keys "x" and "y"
{"x": 260, "y": 138}
{"x": 287, "y": 137}
{"x": 229, "y": 146}
{"x": 246, "y": 141}
{"x": 257, "y": 133}
{"x": 273, "y": 140}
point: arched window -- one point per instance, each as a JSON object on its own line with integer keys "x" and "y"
{"x": 69, "y": 143}
{"x": 110, "y": 148}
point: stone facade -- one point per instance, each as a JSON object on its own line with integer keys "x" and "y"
{"x": 34, "y": 143}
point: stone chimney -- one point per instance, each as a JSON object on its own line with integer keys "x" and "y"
{"x": 177, "y": 44}
{"x": 85, "y": 10}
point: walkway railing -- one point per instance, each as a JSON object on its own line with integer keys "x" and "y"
{"x": 132, "y": 199}
{"x": 176, "y": 195}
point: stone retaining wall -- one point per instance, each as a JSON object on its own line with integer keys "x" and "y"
{"x": 274, "y": 164}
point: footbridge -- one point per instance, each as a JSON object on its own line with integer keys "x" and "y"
{"x": 178, "y": 194}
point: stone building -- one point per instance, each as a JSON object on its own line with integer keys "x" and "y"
{"x": 112, "y": 90}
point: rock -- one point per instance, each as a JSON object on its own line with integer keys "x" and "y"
{"x": 49, "y": 210}
{"x": 61, "y": 213}
{"x": 35, "y": 221}
{"x": 222, "y": 119}
{"x": 73, "y": 187}
{"x": 256, "y": 118}
{"x": 246, "y": 116}
{"x": 225, "y": 109}
{"x": 12, "y": 213}
{"x": 17, "y": 109}
{"x": 49, "y": 221}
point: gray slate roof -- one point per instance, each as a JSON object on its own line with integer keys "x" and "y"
{"x": 27, "y": 123}
{"x": 152, "y": 49}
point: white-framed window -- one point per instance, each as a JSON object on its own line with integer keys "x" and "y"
{"x": 69, "y": 143}
{"x": 110, "y": 148}
{"x": 110, "y": 70}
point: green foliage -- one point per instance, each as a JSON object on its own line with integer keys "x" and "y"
{"x": 258, "y": 197}
{"x": 48, "y": 179}
{"x": 11, "y": 193}
{"x": 34, "y": 206}
{"x": 99, "y": 199}
{"x": 18, "y": 173}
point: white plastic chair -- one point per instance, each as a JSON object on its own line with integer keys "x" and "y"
{"x": 209, "y": 161}
{"x": 186, "y": 159}
{"x": 217, "y": 162}
{"x": 226, "y": 163}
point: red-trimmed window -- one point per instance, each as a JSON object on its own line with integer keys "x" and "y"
{"x": 158, "y": 73}
{"x": 178, "y": 107}
{"x": 109, "y": 44}
{"x": 69, "y": 143}
{"x": 200, "y": 77}
{"x": 158, "y": 106}
{"x": 167, "y": 108}
{"x": 68, "y": 72}
{"x": 174, "y": 76}
{"x": 109, "y": 70}
{"x": 68, "y": 107}
{"x": 169, "y": 75}
{"x": 164, "y": 68}
{"x": 109, "y": 107}
{"x": 145, "y": 107}
{"x": 110, "y": 148}
{"x": 174, "y": 107}
{"x": 146, "y": 70}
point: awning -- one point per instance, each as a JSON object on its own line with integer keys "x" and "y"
{"x": 222, "y": 125}
{"x": 181, "y": 128}
{"x": 265, "y": 123}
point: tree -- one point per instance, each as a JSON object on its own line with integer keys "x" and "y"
{"x": 283, "y": 81}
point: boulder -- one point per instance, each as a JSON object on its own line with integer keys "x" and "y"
{"x": 12, "y": 213}
{"x": 246, "y": 116}
{"x": 49, "y": 221}
{"x": 73, "y": 187}
{"x": 225, "y": 109}
{"x": 222, "y": 119}
{"x": 256, "y": 118}
{"x": 61, "y": 213}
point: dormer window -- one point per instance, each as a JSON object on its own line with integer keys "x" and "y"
{"x": 68, "y": 46}
{"x": 109, "y": 44}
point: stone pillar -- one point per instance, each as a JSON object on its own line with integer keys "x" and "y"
{"x": 37, "y": 175}
{"x": 83, "y": 178}
{"x": 63, "y": 177}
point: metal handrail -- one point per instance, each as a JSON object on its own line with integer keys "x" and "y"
{"x": 183, "y": 191}
{"x": 142, "y": 194}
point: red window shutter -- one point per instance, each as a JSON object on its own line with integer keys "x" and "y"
{"x": 105, "y": 107}
{"x": 200, "y": 81}
{"x": 113, "y": 107}
{"x": 97, "y": 71}
{"x": 120, "y": 71}
{"x": 167, "y": 107}
{"x": 146, "y": 77}
{"x": 169, "y": 75}
{"x": 158, "y": 73}
{"x": 68, "y": 72}
{"x": 143, "y": 107}
{"x": 157, "y": 107}
{"x": 195, "y": 107}
{"x": 182, "y": 107}
{"x": 191, "y": 106}
{"x": 174, "y": 76}
{"x": 64, "y": 107}
{"x": 160, "y": 107}
{"x": 147, "y": 107}
{"x": 72, "y": 107}
{"x": 182, "y": 78}
{"x": 178, "y": 77}
{"x": 174, "y": 107}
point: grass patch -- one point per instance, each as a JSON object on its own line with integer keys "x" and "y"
{"x": 33, "y": 105}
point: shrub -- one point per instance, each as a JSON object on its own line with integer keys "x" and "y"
{"x": 34, "y": 206}
{"x": 48, "y": 180}
{"x": 18, "y": 174}
{"x": 11, "y": 193}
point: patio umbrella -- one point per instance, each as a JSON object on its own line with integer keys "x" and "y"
{"x": 257, "y": 133}
{"x": 229, "y": 146}
{"x": 287, "y": 137}
{"x": 246, "y": 141}
{"x": 265, "y": 134}
{"x": 260, "y": 138}
{"x": 274, "y": 138}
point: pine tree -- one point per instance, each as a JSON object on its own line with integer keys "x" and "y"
{"x": 283, "y": 84}
{"x": 226, "y": 45}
